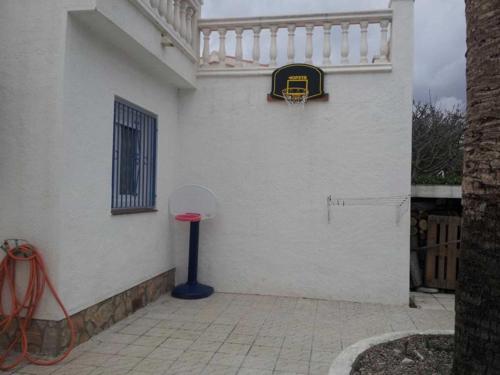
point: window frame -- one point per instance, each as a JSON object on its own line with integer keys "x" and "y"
{"x": 146, "y": 163}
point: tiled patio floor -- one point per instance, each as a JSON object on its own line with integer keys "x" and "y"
{"x": 238, "y": 334}
{"x": 439, "y": 301}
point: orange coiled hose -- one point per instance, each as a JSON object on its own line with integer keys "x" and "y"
{"x": 23, "y": 309}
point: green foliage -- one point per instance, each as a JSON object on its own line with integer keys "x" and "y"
{"x": 437, "y": 145}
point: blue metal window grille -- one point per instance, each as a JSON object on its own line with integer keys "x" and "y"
{"x": 134, "y": 158}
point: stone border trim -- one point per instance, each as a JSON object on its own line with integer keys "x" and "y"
{"x": 342, "y": 365}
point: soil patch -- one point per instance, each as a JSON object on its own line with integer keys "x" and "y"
{"x": 413, "y": 355}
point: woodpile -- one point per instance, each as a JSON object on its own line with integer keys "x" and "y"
{"x": 418, "y": 239}
{"x": 418, "y": 229}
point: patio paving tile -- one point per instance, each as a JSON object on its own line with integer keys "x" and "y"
{"x": 273, "y": 341}
{"x": 263, "y": 350}
{"x": 135, "y": 330}
{"x": 109, "y": 371}
{"x": 230, "y": 360}
{"x": 260, "y": 362}
{"x": 323, "y": 357}
{"x": 287, "y": 365}
{"x": 107, "y": 348}
{"x": 185, "y": 334}
{"x": 319, "y": 368}
{"x": 153, "y": 341}
{"x": 91, "y": 359}
{"x": 220, "y": 370}
{"x": 121, "y": 362}
{"x": 240, "y": 339}
{"x": 74, "y": 370}
{"x": 160, "y": 332}
{"x": 186, "y": 369}
{"x": 232, "y": 334}
{"x": 203, "y": 345}
{"x": 176, "y": 343}
{"x": 195, "y": 357}
{"x": 153, "y": 365}
{"x": 231, "y": 348}
{"x": 438, "y": 301}
{"x": 37, "y": 370}
{"x": 117, "y": 338}
{"x": 251, "y": 371}
{"x": 136, "y": 351}
{"x": 295, "y": 354}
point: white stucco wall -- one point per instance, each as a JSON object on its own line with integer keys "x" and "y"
{"x": 31, "y": 66}
{"x": 273, "y": 169}
{"x": 105, "y": 254}
{"x": 59, "y": 74}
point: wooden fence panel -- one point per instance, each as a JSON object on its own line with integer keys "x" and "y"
{"x": 443, "y": 251}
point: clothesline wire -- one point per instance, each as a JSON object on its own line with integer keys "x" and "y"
{"x": 368, "y": 201}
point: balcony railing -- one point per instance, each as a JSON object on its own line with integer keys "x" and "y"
{"x": 363, "y": 41}
{"x": 177, "y": 20}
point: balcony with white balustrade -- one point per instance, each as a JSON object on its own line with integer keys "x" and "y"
{"x": 360, "y": 41}
{"x": 356, "y": 41}
{"x": 177, "y": 20}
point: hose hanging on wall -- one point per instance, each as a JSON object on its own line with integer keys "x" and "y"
{"x": 22, "y": 310}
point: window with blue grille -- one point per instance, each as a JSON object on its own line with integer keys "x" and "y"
{"x": 134, "y": 159}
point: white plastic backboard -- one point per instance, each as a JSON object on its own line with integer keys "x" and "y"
{"x": 193, "y": 199}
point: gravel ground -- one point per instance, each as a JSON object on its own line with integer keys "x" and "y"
{"x": 414, "y": 355}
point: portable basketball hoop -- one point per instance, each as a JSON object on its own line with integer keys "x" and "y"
{"x": 193, "y": 204}
{"x": 295, "y": 97}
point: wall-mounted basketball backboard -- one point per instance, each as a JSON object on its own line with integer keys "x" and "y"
{"x": 298, "y": 82}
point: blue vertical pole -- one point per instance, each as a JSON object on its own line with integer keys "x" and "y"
{"x": 194, "y": 232}
{"x": 193, "y": 289}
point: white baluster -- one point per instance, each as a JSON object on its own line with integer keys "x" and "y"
{"x": 239, "y": 47}
{"x": 364, "y": 43}
{"x": 154, "y": 4}
{"x": 384, "y": 46}
{"x": 327, "y": 48}
{"x": 345, "y": 43}
{"x": 177, "y": 15}
{"x": 273, "y": 51}
{"x": 291, "y": 44}
{"x": 183, "y": 19}
{"x": 170, "y": 12}
{"x": 256, "y": 45}
{"x": 195, "y": 33}
{"x": 189, "y": 25}
{"x": 206, "y": 45}
{"x": 163, "y": 8}
{"x": 309, "y": 43}
{"x": 222, "y": 46}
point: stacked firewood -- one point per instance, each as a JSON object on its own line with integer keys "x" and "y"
{"x": 418, "y": 230}
{"x": 418, "y": 236}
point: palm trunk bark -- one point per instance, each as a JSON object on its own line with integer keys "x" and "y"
{"x": 477, "y": 326}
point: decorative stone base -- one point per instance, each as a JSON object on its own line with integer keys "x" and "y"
{"x": 48, "y": 337}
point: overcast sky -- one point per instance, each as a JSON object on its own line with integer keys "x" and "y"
{"x": 439, "y": 37}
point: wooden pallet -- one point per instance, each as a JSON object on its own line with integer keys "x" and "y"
{"x": 443, "y": 251}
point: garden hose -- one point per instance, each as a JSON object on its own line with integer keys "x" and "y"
{"x": 22, "y": 310}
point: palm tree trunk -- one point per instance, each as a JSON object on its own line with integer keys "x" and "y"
{"x": 477, "y": 326}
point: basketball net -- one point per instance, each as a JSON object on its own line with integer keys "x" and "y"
{"x": 295, "y": 97}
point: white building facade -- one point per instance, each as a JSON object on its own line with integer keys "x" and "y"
{"x": 272, "y": 169}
